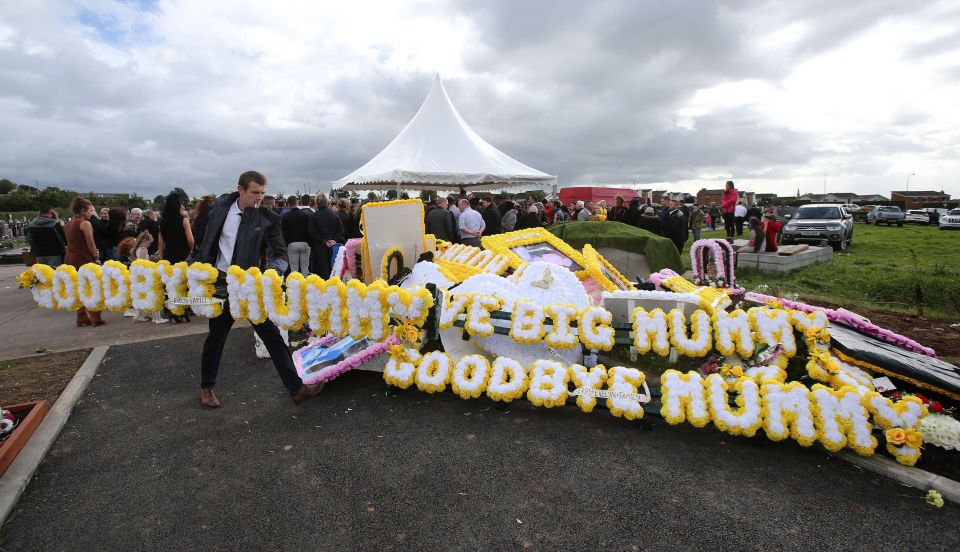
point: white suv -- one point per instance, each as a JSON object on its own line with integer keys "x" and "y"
{"x": 950, "y": 220}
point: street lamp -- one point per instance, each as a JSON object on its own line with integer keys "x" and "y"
{"x": 908, "y": 180}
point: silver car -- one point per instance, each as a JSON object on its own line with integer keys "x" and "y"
{"x": 950, "y": 220}
{"x": 817, "y": 223}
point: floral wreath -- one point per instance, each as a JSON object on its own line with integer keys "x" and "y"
{"x": 392, "y": 254}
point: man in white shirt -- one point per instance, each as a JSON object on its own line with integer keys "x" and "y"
{"x": 739, "y": 216}
{"x": 470, "y": 224}
{"x": 587, "y": 210}
{"x": 241, "y": 232}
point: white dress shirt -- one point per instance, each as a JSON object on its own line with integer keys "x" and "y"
{"x": 469, "y": 220}
{"x": 228, "y": 237}
{"x": 739, "y": 211}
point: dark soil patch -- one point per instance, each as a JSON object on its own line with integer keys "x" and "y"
{"x": 38, "y": 378}
{"x": 931, "y": 332}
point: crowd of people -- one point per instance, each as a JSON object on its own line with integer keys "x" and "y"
{"x": 459, "y": 219}
{"x": 314, "y": 226}
{"x": 302, "y": 233}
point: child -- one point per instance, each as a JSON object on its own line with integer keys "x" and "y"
{"x": 144, "y": 240}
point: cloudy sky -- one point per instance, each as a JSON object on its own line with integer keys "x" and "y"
{"x": 145, "y": 95}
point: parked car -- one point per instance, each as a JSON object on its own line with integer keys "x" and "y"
{"x": 819, "y": 223}
{"x": 951, "y": 220}
{"x": 917, "y": 216}
{"x": 886, "y": 213}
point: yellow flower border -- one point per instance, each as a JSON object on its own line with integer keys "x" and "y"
{"x": 385, "y": 263}
{"x": 503, "y": 244}
{"x": 594, "y": 260}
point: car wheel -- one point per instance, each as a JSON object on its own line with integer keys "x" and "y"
{"x": 839, "y": 245}
{"x": 850, "y": 240}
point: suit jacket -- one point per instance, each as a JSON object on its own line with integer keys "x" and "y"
{"x": 676, "y": 228}
{"x": 259, "y": 237}
{"x": 324, "y": 225}
{"x": 440, "y": 223}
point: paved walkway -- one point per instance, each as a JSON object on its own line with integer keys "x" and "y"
{"x": 140, "y": 465}
{"x": 25, "y": 327}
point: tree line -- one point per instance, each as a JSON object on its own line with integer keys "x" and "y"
{"x": 20, "y": 197}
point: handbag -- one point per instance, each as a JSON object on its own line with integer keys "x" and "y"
{"x": 30, "y": 257}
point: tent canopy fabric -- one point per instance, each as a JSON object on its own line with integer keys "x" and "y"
{"x": 659, "y": 251}
{"x": 438, "y": 150}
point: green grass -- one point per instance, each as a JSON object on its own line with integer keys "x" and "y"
{"x": 881, "y": 270}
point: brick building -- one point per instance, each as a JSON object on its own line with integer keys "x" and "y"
{"x": 916, "y": 200}
{"x": 706, "y": 197}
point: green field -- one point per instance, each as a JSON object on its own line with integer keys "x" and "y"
{"x": 885, "y": 268}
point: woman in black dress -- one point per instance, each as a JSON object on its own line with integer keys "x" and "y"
{"x": 176, "y": 236}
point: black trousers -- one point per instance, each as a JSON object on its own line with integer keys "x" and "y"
{"x": 269, "y": 334}
{"x": 728, "y": 219}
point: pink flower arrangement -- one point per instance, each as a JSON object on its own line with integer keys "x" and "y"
{"x": 851, "y": 319}
{"x": 334, "y": 371}
{"x": 721, "y": 255}
{"x": 350, "y": 258}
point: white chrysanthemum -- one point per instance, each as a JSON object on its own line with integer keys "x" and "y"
{"x": 526, "y": 324}
{"x": 65, "y": 288}
{"x": 683, "y": 398}
{"x": 699, "y": 343}
{"x": 508, "y": 380}
{"x": 548, "y": 384}
{"x": 470, "y": 376}
{"x": 595, "y": 329}
{"x": 433, "y": 371}
{"x": 941, "y": 430}
{"x": 424, "y": 273}
{"x": 594, "y": 378}
{"x": 478, "y": 315}
{"x": 326, "y": 305}
{"x": 401, "y": 371}
{"x": 787, "y": 412}
{"x": 774, "y": 327}
{"x": 747, "y": 419}
{"x": 843, "y": 420}
{"x": 733, "y": 334}
{"x": 650, "y": 331}
{"x": 625, "y": 380}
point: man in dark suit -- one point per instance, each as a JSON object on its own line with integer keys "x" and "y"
{"x": 325, "y": 231}
{"x": 676, "y": 225}
{"x": 491, "y": 217}
{"x": 440, "y": 222}
{"x": 244, "y": 233}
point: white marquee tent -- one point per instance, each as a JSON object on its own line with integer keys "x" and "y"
{"x": 438, "y": 150}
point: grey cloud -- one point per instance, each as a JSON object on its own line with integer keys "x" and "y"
{"x": 598, "y": 85}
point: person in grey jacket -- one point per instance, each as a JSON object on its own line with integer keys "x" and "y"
{"x": 241, "y": 232}
{"x": 509, "y": 220}
{"x": 46, "y": 238}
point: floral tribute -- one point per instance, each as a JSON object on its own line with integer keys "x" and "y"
{"x": 713, "y": 263}
{"x": 537, "y": 333}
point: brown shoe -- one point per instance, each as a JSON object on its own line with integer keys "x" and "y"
{"x": 306, "y": 392}
{"x": 82, "y": 318}
{"x": 95, "y": 319}
{"x": 208, "y": 399}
